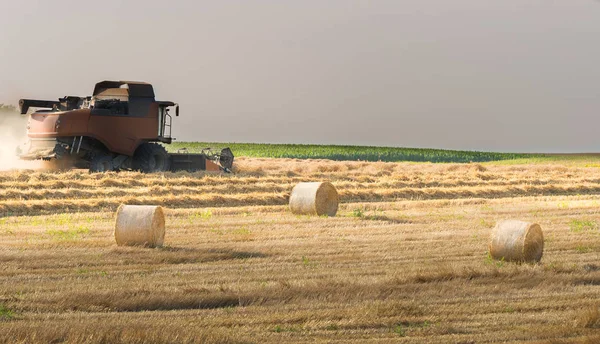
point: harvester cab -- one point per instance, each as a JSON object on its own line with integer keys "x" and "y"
{"x": 119, "y": 127}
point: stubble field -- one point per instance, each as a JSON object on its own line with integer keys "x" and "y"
{"x": 404, "y": 261}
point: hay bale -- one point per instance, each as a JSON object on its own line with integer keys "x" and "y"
{"x": 314, "y": 198}
{"x": 140, "y": 225}
{"x": 517, "y": 241}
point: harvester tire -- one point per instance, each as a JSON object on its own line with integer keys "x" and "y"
{"x": 101, "y": 163}
{"x": 151, "y": 157}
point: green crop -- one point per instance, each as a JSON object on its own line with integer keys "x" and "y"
{"x": 349, "y": 153}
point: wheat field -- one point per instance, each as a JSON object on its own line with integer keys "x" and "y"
{"x": 404, "y": 261}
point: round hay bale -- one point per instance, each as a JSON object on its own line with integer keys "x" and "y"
{"x": 517, "y": 241}
{"x": 140, "y": 225}
{"x": 314, "y": 198}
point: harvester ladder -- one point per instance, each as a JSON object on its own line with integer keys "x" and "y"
{"x": 78, "y": 146}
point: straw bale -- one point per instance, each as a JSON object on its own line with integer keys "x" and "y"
{"x": 140, "y": 225}
{"x": 314, "y": 198}
{"x": 519, "y": 241}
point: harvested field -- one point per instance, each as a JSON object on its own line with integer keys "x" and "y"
{"x": 404, "y": 261}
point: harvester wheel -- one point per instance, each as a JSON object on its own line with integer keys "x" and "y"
{"x": 101, "y": 163}
{"x": 151, "y": 157}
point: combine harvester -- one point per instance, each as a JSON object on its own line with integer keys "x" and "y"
{"x": 117, "y": 128}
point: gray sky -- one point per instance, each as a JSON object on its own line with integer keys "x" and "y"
{"x": 504, "y": 75}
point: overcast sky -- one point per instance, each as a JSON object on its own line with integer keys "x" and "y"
{"x": 502, "y": 75}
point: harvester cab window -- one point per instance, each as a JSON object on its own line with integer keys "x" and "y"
{"x": 111, "y": 101}
{"x": 164, "y": 122}
{"x": 115, "y": 106}
{"x": 161, "y": 120}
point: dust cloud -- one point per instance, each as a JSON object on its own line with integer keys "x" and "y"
{"x": 13, "y": 133}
